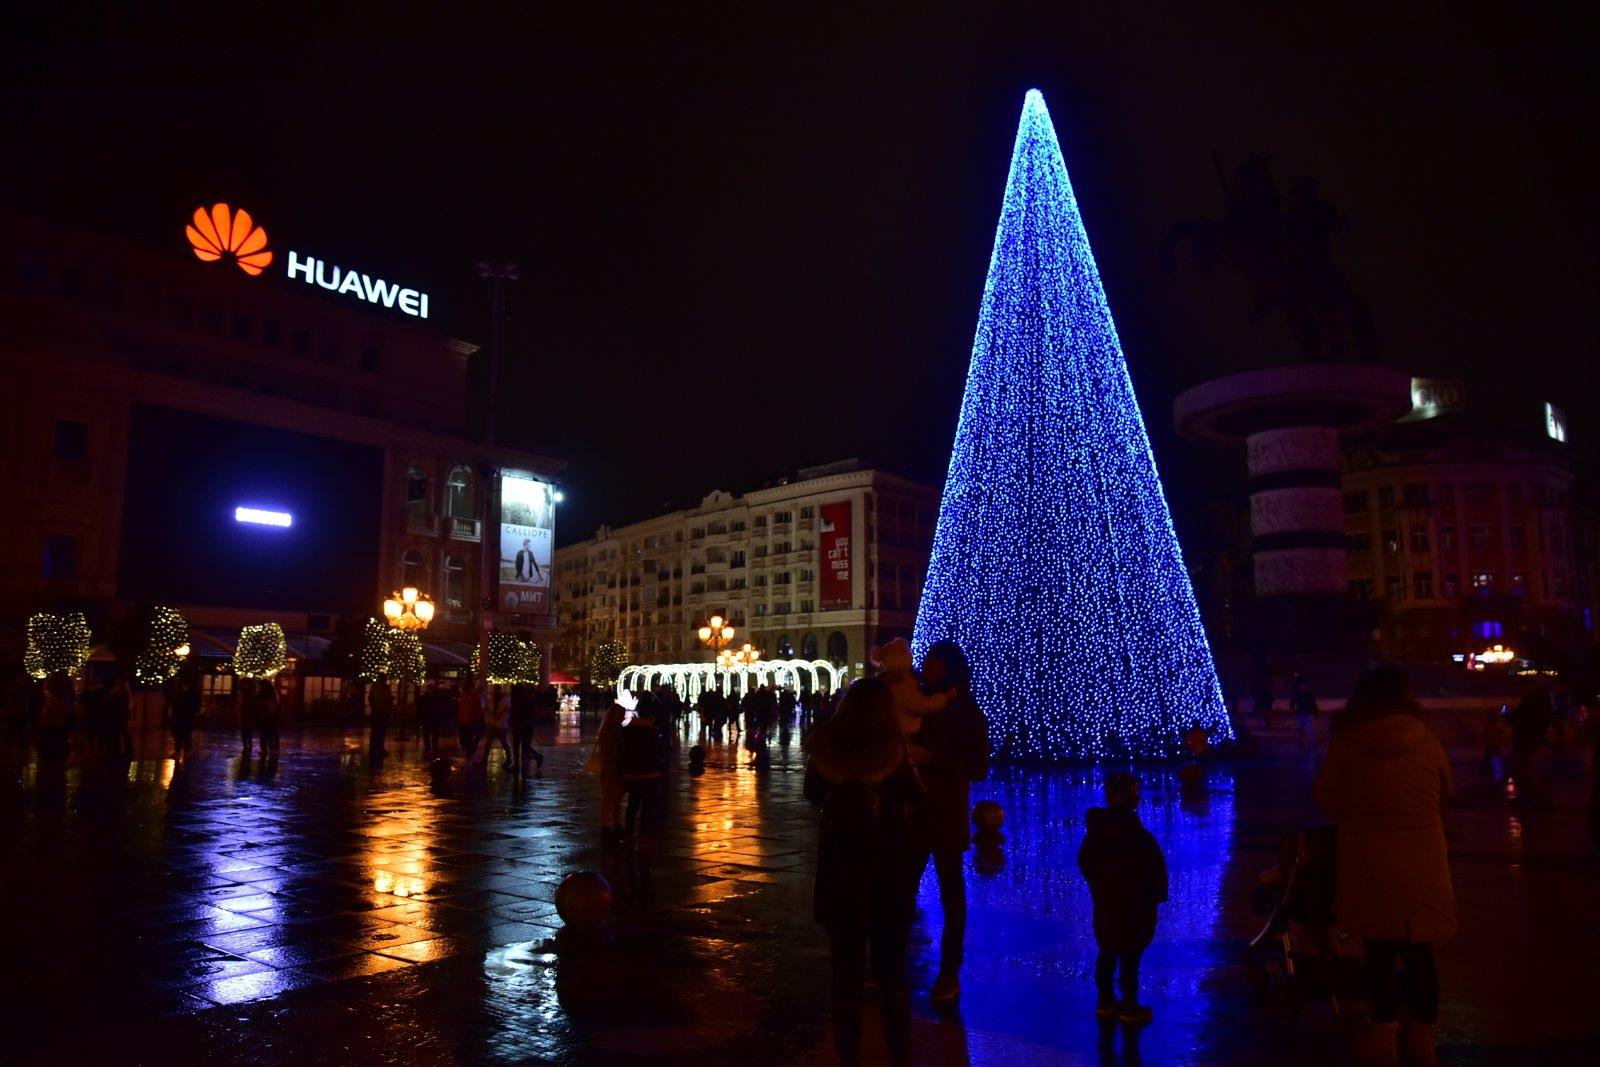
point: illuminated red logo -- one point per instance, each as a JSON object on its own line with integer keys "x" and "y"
{"x": 222, "y": 233}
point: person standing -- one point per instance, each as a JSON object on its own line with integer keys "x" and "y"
{"x": 270, "y": 712}
{"x": 429, "y": 718}
{"x": 523, "y": 710}
{"x": 244, "y": 702}
{"x": 381, "y": 701}
{"x": 643, "y": 758}
{"x": 857, "y": 774}
{"x": 608, "y": 759}
{"x": 469, "y": 719}
{"x": 118, "y": 707}
{"x": 1127, "y": 878}
{"x": 185, "y": 710}
{"x": 1304, "y": 705}
{"x": 951, "y": 751}
{"x": 1385, "y": 783}
{"x": 55, "y": 719}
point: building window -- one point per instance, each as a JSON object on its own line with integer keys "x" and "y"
{"x": 1478, "y": 536}
{"x": 1385, "y": 497}
{"x": 463, "y": 497}
{"x": 808, "y": 646}
{"x": 413, "y": 570}
{"x": 416, "y": 495}
{"x": 1391, "y": 541}
{"x": 1476, "y": 493}
{"x": 1419, "y": 539}
{"x": 1449, "y": 586}
{"x": 72, "y": 439}
{"x": 761, "y": 609}
{"x": 1483, "y": 582}
{"x": 1446, "y": 494}
{"x": 785, "y": 647}
{"x": 807, "y": 607}
{"x": 1422, "y": 585}
{"x": 1415, "y": 495}
{"x": 1355, "y": 502}
{"x": 455, "y": 582}
{"x": 807, "y": 512}
{"x": 1447, "y": 538}
{"x": 1394, "y": 587}
{"x": 60, "y": 557}
{"x": 1357, "y": 544}
{"x": 1519, "y": 584}
{"x": 838, "y": 649}
{"x": 1361, "y": 588}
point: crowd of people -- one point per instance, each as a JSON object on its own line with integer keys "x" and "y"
{"x": 890, "y": 764}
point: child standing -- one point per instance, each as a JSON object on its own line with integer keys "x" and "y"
{"x": 1127, "y": 878}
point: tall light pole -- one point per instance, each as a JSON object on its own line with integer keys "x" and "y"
{"x": 717, "y": 635}
{"x": 489, "y": 555}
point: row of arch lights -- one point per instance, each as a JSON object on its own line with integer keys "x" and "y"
{"x": 691, "y": 679}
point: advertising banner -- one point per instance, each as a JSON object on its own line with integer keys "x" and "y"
{"x": 527, "y": 542}
{"x": 837, "y": 557}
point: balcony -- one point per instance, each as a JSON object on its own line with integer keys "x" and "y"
{"x": 420, "y": 522}
{"x": 464, "y": 529}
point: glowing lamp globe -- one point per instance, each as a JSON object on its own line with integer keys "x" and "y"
{"x": 583, "y": 900}
{"x": 727, "y": 633}
{"x": 392, "y": 609}
{"x": 705, "y": 633}
{"x": 424, "y": 610}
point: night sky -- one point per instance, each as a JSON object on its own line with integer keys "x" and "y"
{"x": 748, "y": 246}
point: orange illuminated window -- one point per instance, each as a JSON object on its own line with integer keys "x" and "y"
{"x": 222, "y": 232}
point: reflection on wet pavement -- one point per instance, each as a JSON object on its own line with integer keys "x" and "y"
{"x": 328, "y": 911}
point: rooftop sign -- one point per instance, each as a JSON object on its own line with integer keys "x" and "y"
{"x": 222, "y": 232}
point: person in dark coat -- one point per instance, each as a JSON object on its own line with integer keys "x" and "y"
{"x": 1127, "y": 878}
{"x": 951, "y": 751}
{"x": 185, "y": 690}
{"x": 642, "y": 755}
{"x": 523, "y": 711}
{"x": 381, "y": 700}
{"x": 858, "y": 774}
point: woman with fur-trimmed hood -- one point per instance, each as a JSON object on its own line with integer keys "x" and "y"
{"x": 858, "y": 774}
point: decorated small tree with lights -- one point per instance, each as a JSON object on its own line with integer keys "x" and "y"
{"x": 606, "y": 661}
{"x": 262, "y": 651}
{"x": 166, "y": 631}
{"x": 372, "y": 662}
{"x": 1055, "y": 565}
{"x": 57, "y": 644}
{"x": 511, "y": 659}
{"x": 406, "y": 660}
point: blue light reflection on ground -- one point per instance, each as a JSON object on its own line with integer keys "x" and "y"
{"x": 1030, "y": 947}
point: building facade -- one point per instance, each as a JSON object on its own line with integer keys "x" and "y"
{"x": 1460, "y": 533}
{"x": 154, "y": 394}
{"x": 821, "y": 566}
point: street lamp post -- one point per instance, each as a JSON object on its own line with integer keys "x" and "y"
{"x": 716, "y": 634}
{"x": 411, "y": 611}
{"x": 489, "y": 555}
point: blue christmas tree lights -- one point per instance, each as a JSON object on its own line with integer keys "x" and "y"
{"x": 1055, "y": 564}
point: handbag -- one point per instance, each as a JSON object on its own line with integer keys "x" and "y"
{"x": 592, "y": 764}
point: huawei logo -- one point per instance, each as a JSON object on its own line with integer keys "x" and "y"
{"x": 223, "y": 232}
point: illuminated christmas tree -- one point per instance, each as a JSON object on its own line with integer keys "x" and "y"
{"x": 168, "y": 632}
{"x": 262, "y": 651}
{"x": 1055, "y": 565}
{"x": 57, "y": 644}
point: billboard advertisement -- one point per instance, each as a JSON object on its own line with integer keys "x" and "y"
{"x": 837, "y": 557}
{"x": 527, "y": 542}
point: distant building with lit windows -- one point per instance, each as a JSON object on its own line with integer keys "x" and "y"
{"x": 1459, "y": 527}
{"x": 821, "y": 566}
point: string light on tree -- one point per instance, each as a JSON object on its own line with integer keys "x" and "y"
{"x": 607, "y": 660}
{"x": 165, "y": 647}
{"x": 57, "y": 644}
{"x": 1055, "y": 564}
{"x": 262, "y": 651}
{"x": 373, "y": 662}
{"x": 406, "y": 660}
{"x": 512, "y": 659}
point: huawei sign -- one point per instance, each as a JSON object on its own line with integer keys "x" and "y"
{"x": 223, "y": 232}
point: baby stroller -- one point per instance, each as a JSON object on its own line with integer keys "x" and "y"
{"x": 1297, "y": 955}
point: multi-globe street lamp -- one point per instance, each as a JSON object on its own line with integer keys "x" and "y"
{"x": 717, "y": 634}
{"x": 408, "y": 609}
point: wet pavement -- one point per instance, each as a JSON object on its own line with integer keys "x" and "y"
{"x": 321, "y": 910}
